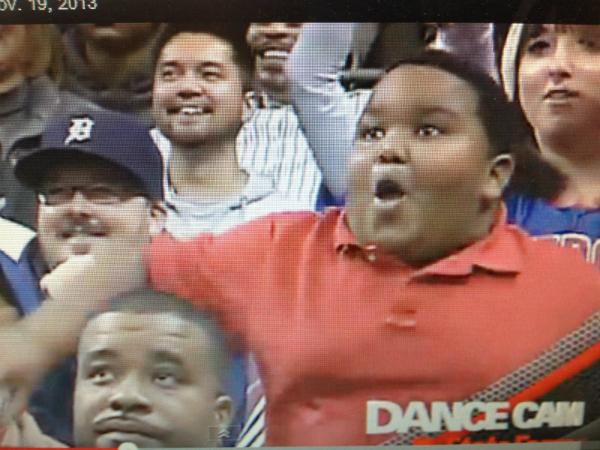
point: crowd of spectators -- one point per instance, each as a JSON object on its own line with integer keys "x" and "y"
{"x": 296, "y": 180}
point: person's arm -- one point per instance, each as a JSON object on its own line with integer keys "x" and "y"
{"x": 328, "y": 114}
{"x": 473, "y": 42}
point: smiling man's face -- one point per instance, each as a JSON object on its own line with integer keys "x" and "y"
{"x": 421, "y": 162}
{"x": 148, "y": 379}
{"x": 271, "y": 43}
{"x": 198, "y": 92}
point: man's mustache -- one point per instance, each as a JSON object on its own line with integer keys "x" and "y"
{"x": 82, "y": 226}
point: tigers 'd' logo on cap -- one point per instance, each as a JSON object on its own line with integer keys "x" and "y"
{"x": 80, "y": 130}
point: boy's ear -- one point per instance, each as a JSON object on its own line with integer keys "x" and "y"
{"x": 500, "y": 170}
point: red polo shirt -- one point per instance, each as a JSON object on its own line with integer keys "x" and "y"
{"x": 334, "y": 325}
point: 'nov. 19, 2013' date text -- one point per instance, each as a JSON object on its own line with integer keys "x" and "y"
{"x": 47, "y": 6}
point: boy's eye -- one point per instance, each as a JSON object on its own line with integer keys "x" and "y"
{"x": 372, "y": 134}
{"x": 428, "y": 130}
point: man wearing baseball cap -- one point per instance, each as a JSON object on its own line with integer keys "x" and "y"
{"x": 98, "y": 179}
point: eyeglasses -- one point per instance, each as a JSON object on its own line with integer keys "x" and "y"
{"x": 97, "y": 194}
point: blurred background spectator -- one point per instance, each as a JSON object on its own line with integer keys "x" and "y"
{"x": 111, "y": 65}
{"x": 30, "y": 65}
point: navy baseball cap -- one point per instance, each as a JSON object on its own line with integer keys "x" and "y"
{"x": 114, "y": 137}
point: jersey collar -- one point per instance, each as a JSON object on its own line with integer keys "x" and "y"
{"x": 500, "y": 252}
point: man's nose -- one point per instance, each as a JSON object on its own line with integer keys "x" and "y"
{"x": 128, "y": 396}
{"x": 78, "y": 204}
{"x": 190, "y": 86}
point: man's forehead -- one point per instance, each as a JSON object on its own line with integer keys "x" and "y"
{"x": 132, "y": 321}
{"x": 152, "y": 329}
{"x": 195, "y": 46}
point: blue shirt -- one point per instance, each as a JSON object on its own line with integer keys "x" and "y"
{"x": 568, "y": 226}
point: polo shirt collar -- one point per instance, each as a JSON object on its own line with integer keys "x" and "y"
{"x": 500, "y": 252}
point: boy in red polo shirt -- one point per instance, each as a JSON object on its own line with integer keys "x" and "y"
{"x": 413, "y": 313}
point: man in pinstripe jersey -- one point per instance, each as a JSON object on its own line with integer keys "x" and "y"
{"x": 198, "y": 102}
{"x": 272, "y": 140}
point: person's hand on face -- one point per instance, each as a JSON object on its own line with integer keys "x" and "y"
{"x": 95, "y": 278}
{"x": 92, "y": 241}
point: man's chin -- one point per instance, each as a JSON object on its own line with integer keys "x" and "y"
{"x": 116, "y": 438}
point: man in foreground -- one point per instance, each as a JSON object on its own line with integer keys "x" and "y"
{"x": 151, "y": 371}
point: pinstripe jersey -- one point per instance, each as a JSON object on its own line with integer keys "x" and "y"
{"x": 271, "y": 142}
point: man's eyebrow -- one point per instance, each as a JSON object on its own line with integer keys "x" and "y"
{"x": 168, "y": 63}
{"x": 209, "y": 64}
{"x": 175, "y": 63}
{"x": 102, "y": 353}
{"x": 367, "y": 117}
{"x": 538, "y": 30}
{"x": 167, "y": 356}
{"x": 588, "y": 32}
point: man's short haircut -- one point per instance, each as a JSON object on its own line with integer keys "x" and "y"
{"x": 505, "y": 125}
{"x": 148, "y": 301}
{"x": 231, "y": 32}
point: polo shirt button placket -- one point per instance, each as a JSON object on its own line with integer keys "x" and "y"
{"x": 403, "y": 320}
